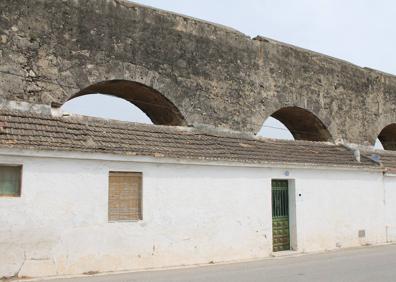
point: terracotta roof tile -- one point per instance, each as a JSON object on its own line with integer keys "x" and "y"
{"x": 385, "y": 157}
{"x": 44, "y": 132}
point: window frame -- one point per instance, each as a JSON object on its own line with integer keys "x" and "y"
{"x": 19, "y": 193}
{"x": 140, "y": 173}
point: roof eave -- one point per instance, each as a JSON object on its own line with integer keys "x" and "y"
{"x": 168, "y": 160}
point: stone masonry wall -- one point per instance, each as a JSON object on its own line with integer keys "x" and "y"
{"x": 215, "y": 76}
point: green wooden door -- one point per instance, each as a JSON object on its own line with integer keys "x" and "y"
{"x": 280, "y": 215}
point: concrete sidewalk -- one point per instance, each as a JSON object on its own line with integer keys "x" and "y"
{"x": 351, "y": 265}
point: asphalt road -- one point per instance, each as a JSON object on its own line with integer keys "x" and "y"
{"x": 371, "y": 264}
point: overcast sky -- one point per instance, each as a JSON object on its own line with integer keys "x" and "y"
{"x": 360, "y": 31}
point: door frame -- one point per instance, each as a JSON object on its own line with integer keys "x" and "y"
{"x": 292, "y": 207}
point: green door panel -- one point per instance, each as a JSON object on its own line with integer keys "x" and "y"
{"x": 280, "y": 215}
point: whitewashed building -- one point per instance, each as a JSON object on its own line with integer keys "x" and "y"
{"x": 83, "y": 195}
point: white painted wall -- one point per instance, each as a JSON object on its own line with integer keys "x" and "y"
{"x": 335, "y": 205}
{"x": 191, "y": 214}
{"x": 390, "y": 198}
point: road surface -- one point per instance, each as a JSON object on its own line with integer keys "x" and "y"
{"x": 371, "y": 264}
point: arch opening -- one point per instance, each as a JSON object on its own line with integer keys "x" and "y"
{"x": 302, "y": 124}
{"x": 378, "y": 145}
{"x": 273, "y": 128}
{"x": 159, "y": 109}
{"x": 387, "y": 137}
{"x": 107, "y": 107}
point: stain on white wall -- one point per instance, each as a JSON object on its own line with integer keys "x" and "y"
{"x": 192, "y": 214}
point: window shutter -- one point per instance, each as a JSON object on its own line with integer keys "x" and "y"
{"x": 10, "y": 180}
{"x": 125, "y": 196}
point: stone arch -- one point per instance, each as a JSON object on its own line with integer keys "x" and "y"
{"x": 303, "y": 124}
{"x": 215, "y": 76}
{"x": 155, "y": 105}
{"x": 387, "y": 136}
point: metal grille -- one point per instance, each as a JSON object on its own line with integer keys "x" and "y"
{"x": 280, "y": 215}
{"x": 280, "y": 198}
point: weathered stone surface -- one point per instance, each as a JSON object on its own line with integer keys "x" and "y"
{"x": 208, "y": 75}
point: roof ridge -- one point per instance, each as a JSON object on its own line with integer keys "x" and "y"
{"x": 113, "y": 123}
{"x": 90, "y": 134}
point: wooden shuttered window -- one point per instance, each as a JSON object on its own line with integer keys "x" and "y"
{"x": 125, "y": 196}
{"x": 10, "y": 181}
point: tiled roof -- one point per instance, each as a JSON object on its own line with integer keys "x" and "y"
{"x": 386, "y": 158}
{"x": 24, "y": 130}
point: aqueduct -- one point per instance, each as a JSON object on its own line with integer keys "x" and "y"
{"x": 183, "y": 71}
